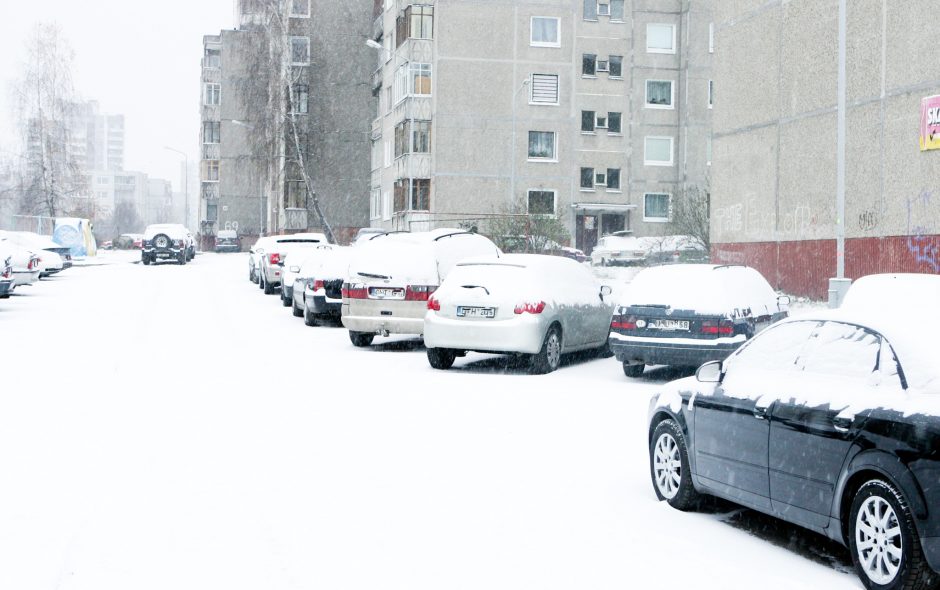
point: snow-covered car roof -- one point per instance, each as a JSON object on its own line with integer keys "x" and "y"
{"x": 705, "y": 288}
{"x": 172, "y": 230}
{"x": 899, "y": 291}
{"x": 326, "y": 264}
{"x": 551, "y": 278}
{"x": 227, "y": 233}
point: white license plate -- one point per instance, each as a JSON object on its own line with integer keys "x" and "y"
{"x": 381, "y": 293}
{"x": 476, "y": 312}
{"x": 670, "y": 325}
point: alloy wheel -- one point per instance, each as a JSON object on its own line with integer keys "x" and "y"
{"x": 878, "y": 540}
{"x": 553, "y": 350}
{"x": 667, "y": 466}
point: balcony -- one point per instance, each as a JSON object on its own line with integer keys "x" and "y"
{"x": 377, "y": 81}
{"x": 376, "y": 129}
{"x": 295, "y": 219}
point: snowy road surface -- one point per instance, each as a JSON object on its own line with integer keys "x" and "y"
{"x": 173, "y": 428}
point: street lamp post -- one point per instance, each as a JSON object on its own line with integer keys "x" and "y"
{"x": 839, "y": 285}
{"x": 185, "y": 183}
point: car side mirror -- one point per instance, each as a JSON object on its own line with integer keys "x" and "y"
{"x": 783, "y": 300}
{"x": 605, "y": 291}
{"x": 709, "y": 372}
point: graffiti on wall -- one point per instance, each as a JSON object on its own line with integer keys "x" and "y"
{"x": 755, "y": 220}
{"x": 924, "y": 248}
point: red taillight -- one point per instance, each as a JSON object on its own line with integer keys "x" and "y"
{"x": 419, "y": 292}
{"x": 434, "y": 304}
{"x": 623, "y": 323}
{"x": 179, "y": 243}
{"x": 534, "y": 308}
{"x": 718, "y": 328}
{"x": 274, "y": 258}
{"x": 355, "y": 291}
{"x": 317, "y": 285}
{"x": 33, "y": 262}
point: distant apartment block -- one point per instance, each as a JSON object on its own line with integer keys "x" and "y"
{"x": 598, "y": 113}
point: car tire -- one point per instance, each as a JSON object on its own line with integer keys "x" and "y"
{"x": 162, "y": 241}
{"x": 145, "y": 259}
{"x": 268, "y": 289}
{"x": 633, "y": 371}
{"x": 311, "y": 319}
{"x": 181, "y": 258}
{"x": 549, "y": 358}
{"x": 669, "y": 466}
{"x": 441, "y": 358}
{"x": 298, "y": 312}
{"x": 261, "y": 280}
{"x": 890, "y": 543}
{"x": 361, "y": 339}
{"x": 604, "y": 352}
{"x": 285, "y": 301}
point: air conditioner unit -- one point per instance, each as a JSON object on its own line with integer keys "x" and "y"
{"x": 603, "y": 9}
{"x": 603, "y": 66}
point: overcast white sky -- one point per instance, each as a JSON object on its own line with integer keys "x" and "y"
{"x": 139, "y": 59}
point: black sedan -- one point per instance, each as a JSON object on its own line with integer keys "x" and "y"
{"x": 831, "y": 422}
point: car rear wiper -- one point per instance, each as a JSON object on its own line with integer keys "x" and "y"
{"x": 476, "y": 287}
{"x": 372, "y": 276}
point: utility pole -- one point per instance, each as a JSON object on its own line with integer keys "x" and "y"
{"x": 839, "y": 285}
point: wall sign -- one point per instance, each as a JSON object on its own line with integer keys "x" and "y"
{"x": 930, "y": 123}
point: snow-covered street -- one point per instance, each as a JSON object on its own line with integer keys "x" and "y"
{"x": 171, "y": 427}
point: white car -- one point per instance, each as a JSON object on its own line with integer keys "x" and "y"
{"x": 533, "y": 304}
{"x": 254, "y": 256}
{"x": 7, "y": 283}
{"x": 392, "y": 276}
{"x": 318, "y": 287}
{"x": 271, "y": 262}
{"x": 25, "y": 263}
{"x": 292, "y": 262}
{"x": 618, "y": 248}
{"x": 53, "y": 257}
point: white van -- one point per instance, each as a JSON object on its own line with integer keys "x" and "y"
{"x": 392, "y": 275}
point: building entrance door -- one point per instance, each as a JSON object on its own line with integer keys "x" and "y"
{"x": 586, "y": 233}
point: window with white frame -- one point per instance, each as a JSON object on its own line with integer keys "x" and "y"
{"x": 542, "y": 145}
{"x": 420, "y": 79}
{"x": 711, "y": 93}
{"x": 616, "y": 11}
{"x": 656, "y": 207}
{"x": 389, "y": 147}
{"x": 544, "y": 89}
{"x": 592, "y": 121}
{"x": 375, "y": 203}
{"x": 613, "y": 179}
{"x": 300, "y": 8}
{"x": 387, "y": 205}
{"x": 660, "y": 38}
{"x": 211, "y": 131}
{"x": 300, "y": 98}
{"x": 211, "y": 170}
{"x": 213, "y": 58}
{"x": 300, "y": 51}
{"x": 213, "y": 94}
{"x": 657, "y": 151}
{"x": 611, "y": 8}
{"x": 545, "y": 31}
{"x": 659, "y": 94}
{"x": 587, "y": 179}
{"x": 711, "y": 37}
{"x": 541, "y": 202}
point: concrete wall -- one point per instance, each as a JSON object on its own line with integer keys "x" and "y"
{"x": 774, "y": 147}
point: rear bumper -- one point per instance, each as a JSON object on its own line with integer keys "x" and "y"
{"x": 523, "y": 334}
{"x": 227, "y": 248}
{"x": 683, "y": 354}
{"x": 23, "y": 277}
{"x": 6, "y": 287}
{"x": 272, "y": 276}
{"x": 321, "y": 305}
{"x": 391, "y": 325}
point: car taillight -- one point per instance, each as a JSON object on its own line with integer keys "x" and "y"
{"x": 274, "y": 258}
{"x": 354, "y": 291}
{"x": 534, "y": 308}
{"x": 419, "y": 292}
{"x": 623, "y": 323}
{"x": 718, "y": 328}
{"x": 317, "y": 285}
{"x": 33, "y": 262}
{"x": 434, "y": 304}
{"x": 179, "y": 243}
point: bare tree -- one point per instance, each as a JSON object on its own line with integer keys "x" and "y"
{"x": 45, "y": 99}
{"x": 514, "y": 232}
{"x": 690, "y": 214}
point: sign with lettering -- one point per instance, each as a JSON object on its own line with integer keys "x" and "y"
{"x": 930, "y": 123}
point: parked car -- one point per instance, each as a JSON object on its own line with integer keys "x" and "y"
{"x": 618, "y": 248}
{"x": 254, "y": 256}
{"x": 538, "y": 305}
{"x": 53, "y": 257}
{"x": 392, "y": 276}
{"x": 829, "y": 421}
{"x": 318, "y": 287}
{"x": 272, "y": 262}
{"x": 167, "y": 241}
{"x": 367, "y": 233}
{"x": 622, "y": 249}
{"x": 227, "y": 241}
{"x": 688, "y": 314}
{"x": 7, "y": 282}
{"x": 291, "y": 263}
{"x": 24, "y": 262}
{"x": 128, "y": 242}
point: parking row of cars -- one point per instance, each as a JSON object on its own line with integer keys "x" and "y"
{"x": 27, "y": 257}
{"x": 829, "y": 420}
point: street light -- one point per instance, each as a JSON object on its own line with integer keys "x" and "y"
{"x": 185, "y": 183}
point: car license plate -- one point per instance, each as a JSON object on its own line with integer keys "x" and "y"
{"x": 670, "y": 325}
{"x": 385, "y": 293}
{"x": 476, "y": 312}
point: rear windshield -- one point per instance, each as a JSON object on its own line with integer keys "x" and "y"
{"x": 498, "y": 279}
{"x": 402, "y": 262}
{"x": 699, "y": 288}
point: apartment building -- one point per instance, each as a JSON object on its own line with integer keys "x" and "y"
{"x": 595, "y": 112}
{"x": 774, "y": 197}
{"x": 285, "y": 108}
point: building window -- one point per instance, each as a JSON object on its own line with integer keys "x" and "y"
{"x": 375, "y": 203}
{"x": 588, "y": 121}
{"x": 545, "y": 31}
{"x": 413, "y": 194}
{"x": 590, "y": 10}
{"x": 300, "y": 99}
{"x": 421, "y": 21}
{"x": 300, "y": 51}
{"x": 611, "y": 8}
{"x": 613, "y": 179}
{"x": 587, "y": 179}
{"x": 656, "y": 207}
{"x": 421, "y": 137}
{"x": 211, "y": 170}
{"x": 660, "y": 38}
{"x": 386, "y": 205}
{"x": 541, "y": 202}
{"x": 213, "y": 58}
{"x": 211, "y": 131}
{"x": 212, "y": 212}
{"x": 659, "y": 94}
{"x": 657, "y": 151}
{"x": 589, "y": 64}
{"x": 420, "y": 79}
{"x": 213, "y": 94}
{"x": 544, "y": 89}
{"x": 613, "y": 122}
{"x": 711, "y": 93}
{"x": 296, "y": 194}
{"x": 591, "y": 121}
{"x": 615, "y": 66}
{"x": 616, "y": 11}
{"x": 711, "y": 37}
{"x": 300, "y": 8}
{"x": 541, "y": 145}
{"x": 389, "y": 151}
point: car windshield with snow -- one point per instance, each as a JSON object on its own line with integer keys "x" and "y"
{"x": 831, "y": 421}
{"x": 537, "y": 305}
{"x": 392, "y": 276}
{"x": 688, "y": 314}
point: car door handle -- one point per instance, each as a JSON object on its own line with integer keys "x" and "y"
{"x": 841, "y": 424}
{"x": 760, "y": 412}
